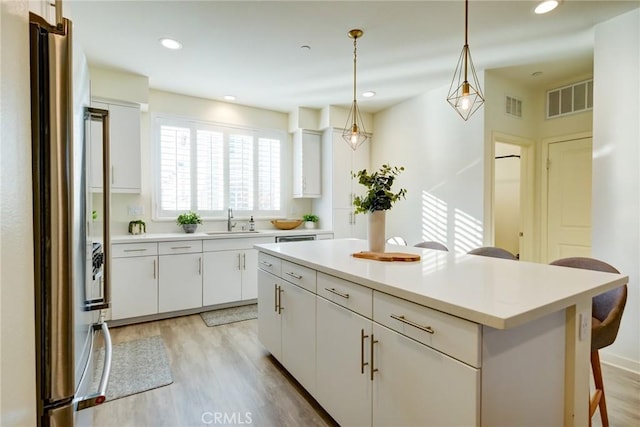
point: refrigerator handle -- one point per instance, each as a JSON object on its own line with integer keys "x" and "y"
{"x": 100, "y": 115}
{"x": 100, "y": 396}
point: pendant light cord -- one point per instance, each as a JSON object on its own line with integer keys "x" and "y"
{"x": 466, "y": 37}
{"x": 355, "y": 54}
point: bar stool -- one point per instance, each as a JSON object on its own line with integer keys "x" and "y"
{"x": 493, "y": 252}
{"x": 606, "y": 313}
{"x": 432, "y": 245}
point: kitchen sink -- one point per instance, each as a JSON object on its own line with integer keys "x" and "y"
{"x": 218, "y": 233}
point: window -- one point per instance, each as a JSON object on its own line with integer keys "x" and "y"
{"x": 208, "y": 168}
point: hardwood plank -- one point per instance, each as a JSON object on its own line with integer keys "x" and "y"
{"x": 218, "y": 371}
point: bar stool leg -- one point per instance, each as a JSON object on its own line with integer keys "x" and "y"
{"x": 597, "y": 400}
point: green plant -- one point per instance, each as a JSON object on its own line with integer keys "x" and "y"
{"x": 188, "y": 218}
{"x": 310, "y": 218}
{"x": 379, "y": 196}
{"x": 139, "y": 222}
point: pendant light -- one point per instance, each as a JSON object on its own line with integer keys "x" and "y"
{"x": 354, "y": 133}
{"x": 464, "y": 96}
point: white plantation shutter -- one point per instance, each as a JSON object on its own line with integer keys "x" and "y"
{"x": 241, "y": 172}
{"x": 210, "y": 166}
{"x": 269, "y": 174}
{"x": 207, "y": 168}
{"x": 175, "y": 168}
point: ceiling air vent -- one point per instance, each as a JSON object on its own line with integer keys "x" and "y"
{"x": 574, "y": 98}
{"x": 513, "y": 106}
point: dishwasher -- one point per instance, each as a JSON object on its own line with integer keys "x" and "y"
{"x": 298, "y": 238}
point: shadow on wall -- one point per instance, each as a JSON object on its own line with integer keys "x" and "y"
{"x": 465, "y": 233}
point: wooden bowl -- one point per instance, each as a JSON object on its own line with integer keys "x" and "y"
{"x": 286, "y": 224}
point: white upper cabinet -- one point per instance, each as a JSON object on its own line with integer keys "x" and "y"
{"x": 307, "y": 179}
{"x": 124, "y": 131}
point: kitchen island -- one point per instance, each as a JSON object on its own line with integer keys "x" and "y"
{"x": 449, "y": 340}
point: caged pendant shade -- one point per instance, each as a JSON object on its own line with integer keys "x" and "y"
{"x": 464, "y": 96}
{"x": 354, "y": 133}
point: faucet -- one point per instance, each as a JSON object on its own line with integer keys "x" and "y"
{"x": 229, "y": 217}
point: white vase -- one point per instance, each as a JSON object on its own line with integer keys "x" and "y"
{"x": 309, "y": 224}
{"x": 376, "y": 231}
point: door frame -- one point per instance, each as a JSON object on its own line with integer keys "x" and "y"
{"x": 544, "y": 184}
{"x": 527, "y": 194}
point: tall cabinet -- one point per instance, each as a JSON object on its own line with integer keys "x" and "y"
{"x": 339, "y": 188}
{"x": 306, "y": 163}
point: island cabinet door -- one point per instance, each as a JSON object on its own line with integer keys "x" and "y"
{"x": 269, "y": 325}
{"x": 415, "y": 385}
{"x": 298, "y": 310}
{"x": 343, "y": 385}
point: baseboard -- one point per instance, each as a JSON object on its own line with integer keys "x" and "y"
{"x": 630, "y": 365}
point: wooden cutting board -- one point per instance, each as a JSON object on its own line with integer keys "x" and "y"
{"x": 387, "y": 256}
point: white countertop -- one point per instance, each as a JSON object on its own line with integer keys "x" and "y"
{"x": 163, "y": 237}
{"x": 494, "y": 292}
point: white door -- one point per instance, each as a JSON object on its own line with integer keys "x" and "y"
{"x": 222, "y": 276}
{"x": 569, "y": 199}
{"x": 180, "y": 282}
{"x": 343, "y": 354}
{"x": 298, "y": 311}
{"x": 249, "y": 274}
{"x": 134, "y": 290}
{"x": 418, "y": 386}
{"x": 269, "y": 330}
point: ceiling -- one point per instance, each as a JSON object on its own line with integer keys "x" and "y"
{"x": 252, "y": 49}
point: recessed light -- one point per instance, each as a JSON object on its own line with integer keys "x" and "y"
{"x": 230, "y": 97}
{"x": 546, "y": 6}
{"x": 305, "y": 47}
{"x": 368, "y": 94}
{"x": 170, "y": 43}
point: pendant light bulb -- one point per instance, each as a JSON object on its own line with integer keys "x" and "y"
{"x": 354, "y": 133}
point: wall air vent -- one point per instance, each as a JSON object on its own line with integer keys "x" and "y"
{"x": 574, "y": 98}
{"x": 513, "y": 106}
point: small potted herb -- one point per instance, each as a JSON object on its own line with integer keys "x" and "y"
{"x": 137, "y": 227}
{"x": 189, "y": 221}
{"x": 310, "y": 220}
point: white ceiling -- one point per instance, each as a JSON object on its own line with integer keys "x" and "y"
{"x": 252, "y": 49}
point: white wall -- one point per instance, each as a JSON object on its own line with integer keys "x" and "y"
{"x": 616, "y": 176}
{"x": 443, "y": 159}
{"x": 17, "y": 331}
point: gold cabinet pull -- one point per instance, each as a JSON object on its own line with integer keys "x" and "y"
{"x": 180, "y": 247}
{"x": 239, "y": 265}
{"x": 266, "y": 264}
{"x": 362, "y": 362}
{"x": 275, "y": 297}
{"x": 199, "y": 266}
{"x": 427, "y": 329}
{"x": 135, "y": 250}
{"x": 244, "y": 261}
{"x": 294, "y": 275}
{"x": 373, "y": 341}
{"x": 154, "y": 269}
{"x": 340, "y": 294}
{"x": 280, "y": 307}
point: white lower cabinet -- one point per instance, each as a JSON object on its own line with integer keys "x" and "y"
{"x": 222, "y": 277}
{"x": 415, "y": 385}
{"x": 343, "y": 355}
{"x": 287, "y": 326}
{"x": 180, "y": 285}
{"x": 335, "y": 343}
{"x": 134, "y": 290}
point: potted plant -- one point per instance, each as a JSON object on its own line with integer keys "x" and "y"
{"x": 137, "y": 227}
{"x": 378, "y": 199}
{"x": 310, "y": 220}
{"x": 189, "y": 221}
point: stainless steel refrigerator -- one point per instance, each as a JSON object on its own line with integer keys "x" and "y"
{"x": 71, "y": 259}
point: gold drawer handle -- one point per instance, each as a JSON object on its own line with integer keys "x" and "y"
{"x": 295, "y": 276}
{"x": 180, "y": 247}
{"x": 135, "y": 250}
{"x": 340, "y": 294}
{"x": 402, "y": 319}
{"x": 265, "y": 263}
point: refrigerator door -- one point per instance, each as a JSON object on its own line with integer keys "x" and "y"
{"x": 53, "y": 218}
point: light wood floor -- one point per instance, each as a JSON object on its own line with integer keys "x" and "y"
{"x": 225, "y": 370}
